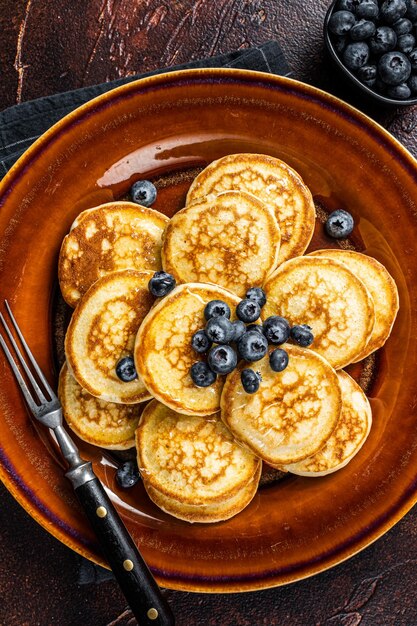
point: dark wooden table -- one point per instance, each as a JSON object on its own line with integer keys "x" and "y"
{"x": 54, "y": 45}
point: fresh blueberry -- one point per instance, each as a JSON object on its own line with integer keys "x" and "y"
{"x": 200, "y": 342}
{"x": 125, "y": 369}
{"x": 278, "y": 360}
{"x": 339, "y": 43}
{"x": 257, "y": 294}
{"x": 248, "y": 310}
{"x": 341, "y": 22}
{"x": 355, "y": 55}
{"x": 222, "y": 359}
{"x": 384, "y": 40}
{"x": 216, "y": 308}
{"x": 392, "y": 10}
{"x": 399, "y": 92}
{"x": 367, "y": 9}
{"x": 412, "y": 83}
{"x": 402, "y": 26}
{"x": 239, "y": 329}
{"x": 250, "y": 380}
{"x": 413, "y": 59}
{"x": 220, "y": 330}
{"x": 276, "y": 329}
{"x": 127, "y": 474}
{"x": 143, "y": 192}
{"x": 202, "y": 375}
{"x": 346, "y": 5}
{"x": 362, "y": 30}
{"x": 367, "y": 74}
{"x": 411, "y": 10}
{"x": 256, "y": 327}
{"x": 302, "y": 335}
{"x": 252, "y": 346}
{"x": 394, "y": 68}
{"x": 161, "y": 284}
{"x": 406, "y": 43}
{"x": 339, "y": 224}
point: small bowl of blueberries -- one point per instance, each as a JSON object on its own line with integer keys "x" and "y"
{"x": 374, "y": 43}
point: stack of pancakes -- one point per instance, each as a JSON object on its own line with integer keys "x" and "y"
{"x": 247, "y": 222}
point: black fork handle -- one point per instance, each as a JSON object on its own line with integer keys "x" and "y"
{"x": 130, "y": 570}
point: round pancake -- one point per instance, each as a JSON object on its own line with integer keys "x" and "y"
{"x": 193, "y": 460}
{"x": 292, "y": 414}
{"x": 163, "y": 352}
{"x": 326, "y": 295}
{"x": 110, "y": 237}
{"x": 381, "y": 287}
{"x": 347, "y": 438}
{"x": 231, "y": 240}
{"x": 102, "y": 330}
{"x": 206, "y": 513}
{"x": 270, "y": 180}
{"x": 100, "y": 423}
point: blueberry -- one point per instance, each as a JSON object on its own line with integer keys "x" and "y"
{"x": 250, "y": 380}
{"x": 256, "y": 327}
{"x": 200, "y": 342}
{"x": 276, "y": 329}
{"x": 367, "y": 9}
{"x": 202, "y": 375}
{"x": 143, "y": 192}
{"x": 405, "y": 43}
{"x": 252, "y": 346}
{"x": 384, "y": 40}
{"x": 367, "y": 74}
{"x": 341, "y": 22}
{"x": 339, "y": 224}
{"x": 239, "y": 329}
{"x": 125, "y": 369}
{"x": 412, "y": 83}
{"x": 413, "y": 59}
{"x": 402, "y": 26}
{"x": 257, "y": 294}
{"x": 392, "y": 10}
{"x": 220, "y": 330}
{"x": 355, "y": 55}
{"x": 127, "y": 474}
{"x": 222, "y": 359}
{"x": 411, "y": 10}
{"x": 216, "y": 308}
{"x": 302, "y": 335}
{"x": 339, "y": 43}
{"x": 399, "y": 92}
{"x": 161, "y": 284}
{"x": 278, "y": 360}
{"x": 394, "y": 68}
{"x": 248, "y": 310}
{"x": 362, "y": 30}
{"x": 346, "y": 5}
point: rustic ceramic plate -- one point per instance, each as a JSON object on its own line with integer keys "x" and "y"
{"x": 165, "y": 128}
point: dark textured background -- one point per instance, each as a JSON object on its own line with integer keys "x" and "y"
{"x": 54, "y": 45}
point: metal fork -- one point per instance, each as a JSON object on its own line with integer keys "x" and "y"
{"x": 131, "y": 572}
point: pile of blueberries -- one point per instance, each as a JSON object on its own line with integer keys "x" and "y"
{"x": 376, "y": 40}
{"x": 242, "y": 339}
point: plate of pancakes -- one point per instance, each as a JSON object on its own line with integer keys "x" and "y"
{"x": 239, "y": 491}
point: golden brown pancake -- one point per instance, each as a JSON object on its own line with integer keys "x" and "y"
{"x": 347, "y": 438}
{"x": 381, "y": 287}
{"x": 231, "y": 240}
{"x": 327, "y": 296}
{"x": 292, "y": 414}
{"x": 192, "y": 467}
{"x": 100, "y": 423}
{"x": 102, "y": 330}
{"x": 110, "y": 237}
{"x": 270, "y": 180}
{"x": 163, "y": 352}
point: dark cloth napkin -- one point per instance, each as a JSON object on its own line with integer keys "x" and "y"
{"x": 22, "y": 124}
